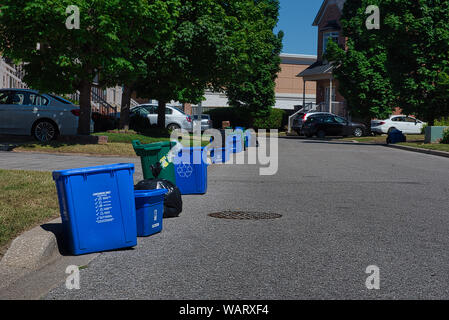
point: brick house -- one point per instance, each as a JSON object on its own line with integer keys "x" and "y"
{"x": 328, "y": 98}
{"x": 291, "y": 92}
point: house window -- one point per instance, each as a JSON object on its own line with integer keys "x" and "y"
{"x": 329, "y": 35}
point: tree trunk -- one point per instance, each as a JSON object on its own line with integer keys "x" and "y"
{"x": 85, "y": 108}
{"x": 126, "y": 106}
{"x": 161, "y": 114}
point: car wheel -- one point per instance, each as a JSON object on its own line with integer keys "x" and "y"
{"x": 298, "y": 132}
{"x": 173, "y": 127}
{"x": 391, "y": 129}
{"x": 321, "y": 134}
{"x": 45, "y": 131}
{"x": 358, "y": 132}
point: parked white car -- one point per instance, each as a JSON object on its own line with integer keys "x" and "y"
{"x": 406, "y": 124}
{"x": 44, "y": 116}
{"x": 174, "y": 117}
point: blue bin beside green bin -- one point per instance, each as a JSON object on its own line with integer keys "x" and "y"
{"x": 149, "y": 211}
{"x": 191, "y": 170}
{"x": 97, "y": 207}
{"x": 220, "y": 155}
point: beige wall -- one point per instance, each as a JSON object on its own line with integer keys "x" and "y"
{"x": 288, "y": 82}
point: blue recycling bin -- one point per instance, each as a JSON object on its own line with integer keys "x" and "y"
{"x": 234, "y": 142}
{"x": 191, "y": 170}
{"x": 97, "y": 207}
{"x": 249, "y": 139}
{"x": 149, "y": 211}
{"x": 220, "y": 155}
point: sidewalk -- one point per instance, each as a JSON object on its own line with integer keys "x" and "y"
{"x": 52, "y": 162}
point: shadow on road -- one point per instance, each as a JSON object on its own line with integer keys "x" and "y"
{"x": 56, "y": 229}
{"x": 331, "y": 140}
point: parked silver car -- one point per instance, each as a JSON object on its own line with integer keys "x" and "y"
{"x": 174, "y": 117}
{"x": 44, "y": 116}
{"x": 206, "y": 122}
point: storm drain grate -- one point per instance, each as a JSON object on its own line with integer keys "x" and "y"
{"x": 239, "y": 215}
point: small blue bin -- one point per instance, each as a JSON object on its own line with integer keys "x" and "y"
{"x": 191, "y": 171}
{"x": 249, "y": 140}
{"x": 149, "y": 211}
{"x": 234, "y": 142}
{"x": 220, "y": 155}
{"x": 97, "y": 207}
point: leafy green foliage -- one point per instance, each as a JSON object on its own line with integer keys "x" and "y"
{"x": 360, "y": 68}
{"x": 416, "y": 36}
{"x": 189, "y": 58}
{"x": 69, "y": 60}
{"x": 272, "y": 121}
{"x": 445, "y": 137}
{"x": 257, "y": 61}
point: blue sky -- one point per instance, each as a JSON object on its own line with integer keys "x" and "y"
{"x": 296, "y": 18}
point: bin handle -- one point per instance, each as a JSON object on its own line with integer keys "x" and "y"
{"x": 136, "y": 143}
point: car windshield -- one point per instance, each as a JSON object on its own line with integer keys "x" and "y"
{"x": 340, "y": 120}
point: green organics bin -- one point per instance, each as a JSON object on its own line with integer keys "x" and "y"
{"x": 155, "y": 159}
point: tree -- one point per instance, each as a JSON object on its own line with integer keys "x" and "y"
{"x": 416, "y": 37}
{"x": 403, "y": 64}
{"x": 70, "y": 59}
{"x": 189, "y": 59}
{"x": 360, "y": 67}
{"x": 252, "y": 85}
{"x": 132, "y": 67}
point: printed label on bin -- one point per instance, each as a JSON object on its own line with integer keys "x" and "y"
{"x": 103, "y": 206}
{"x": 164, "y": 162}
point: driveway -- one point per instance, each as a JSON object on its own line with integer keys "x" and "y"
{"x": 345, "y": 207}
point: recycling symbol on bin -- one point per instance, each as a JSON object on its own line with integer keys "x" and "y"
{"x": 184, "y": 170}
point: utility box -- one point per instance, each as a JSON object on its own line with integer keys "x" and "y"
{"x": 434, "y": 134}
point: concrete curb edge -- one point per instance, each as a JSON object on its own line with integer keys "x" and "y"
{"x": 419, "y": 150}
{"x": 32, "y": 250}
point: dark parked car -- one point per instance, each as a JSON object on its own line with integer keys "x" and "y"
{"x": 301, "y": 118}
{"x": 323, "y": 125}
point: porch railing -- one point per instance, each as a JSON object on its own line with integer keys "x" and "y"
{"x": 11, "y": 75}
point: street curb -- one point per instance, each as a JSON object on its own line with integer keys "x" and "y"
{"x": 7, "y": 147}
{"x": 33, "y": 249}
{"x": 420, "y": 150}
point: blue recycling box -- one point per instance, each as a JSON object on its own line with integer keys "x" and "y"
{"x": 149, "y": 211}
{"x": 234, "y": 141}
{"x": 97, "y": 207}
{"x": 220, "y": 155}
{"x": 191, "y": 170}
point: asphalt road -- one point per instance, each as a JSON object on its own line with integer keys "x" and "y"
{"x": 345, "y": 207}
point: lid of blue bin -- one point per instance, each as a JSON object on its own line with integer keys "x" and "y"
{"x": 90, "y": 170}
{"x": 149, "y": 193}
